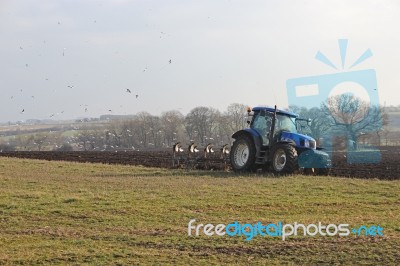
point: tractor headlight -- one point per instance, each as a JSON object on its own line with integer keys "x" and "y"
{"x": 306, "y": 143}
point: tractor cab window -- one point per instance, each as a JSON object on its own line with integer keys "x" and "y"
{"x": 262, "y": 123}
{"x": 285, "y": 123}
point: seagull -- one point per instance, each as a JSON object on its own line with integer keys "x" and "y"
{"x": 170, "y": 61}
{"x": 23, "y": 110}
{"x": 69, "y": 86}
{"x": 128, "y": 90}
{"x": 137, "y": 96}
{"x": 85, "y": 109}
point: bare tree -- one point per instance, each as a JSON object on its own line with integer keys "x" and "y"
{"x": 155, "y": 131}
{"x": 143, "y": 128}
{"x": 24, "y": 141}
{"x": 223, "y": 131}
{"x": 40, "y": 139}
{"x": 350, "y": 114}
{"x": 201, "y": 122}
{"x": 236, "y": 115}
{"x": 128, "y": 134}
{"x": 172, "y": 122}
{"x": 6, "y": 147}
{"x": 86, "y": 138}
{"x": 319, "y": 122}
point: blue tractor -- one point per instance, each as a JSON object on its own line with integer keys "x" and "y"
{"x": 273, "y": 143}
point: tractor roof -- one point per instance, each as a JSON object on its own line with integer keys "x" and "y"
{"x": 269, "y": 109}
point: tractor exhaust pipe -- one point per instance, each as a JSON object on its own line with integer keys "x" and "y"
{"x": 271, "y": 135}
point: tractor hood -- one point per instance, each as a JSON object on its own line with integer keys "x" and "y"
{"x": 300, "y": 140}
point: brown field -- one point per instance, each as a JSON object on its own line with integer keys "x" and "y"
{"x": 387, "y": 168}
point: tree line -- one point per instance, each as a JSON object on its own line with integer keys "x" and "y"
{"x": 144, "y": 131}
{"x": 345, "y": 116}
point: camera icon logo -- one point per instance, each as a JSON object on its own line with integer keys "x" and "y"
{"x": 359, "y": 90}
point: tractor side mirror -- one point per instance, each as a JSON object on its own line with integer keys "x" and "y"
{"x": 250, "y": 114}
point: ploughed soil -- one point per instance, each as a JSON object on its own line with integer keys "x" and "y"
{"x": 384, "y": 164}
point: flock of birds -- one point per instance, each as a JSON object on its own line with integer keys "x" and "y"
{"x": 23, "y": 110}
{"x": 72, "y": 86}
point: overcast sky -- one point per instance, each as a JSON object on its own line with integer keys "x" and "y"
{"x": 68, "y": 59}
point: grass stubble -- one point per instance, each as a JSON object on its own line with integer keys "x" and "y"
{"x": 71, "y": 213}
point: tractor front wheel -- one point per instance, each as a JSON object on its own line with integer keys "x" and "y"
{"x": 284, "y": 159}
{"x": 243, "y": 154}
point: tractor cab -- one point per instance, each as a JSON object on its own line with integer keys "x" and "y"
{"x": 285, "y": 127}
{"x": 262, "y": 124}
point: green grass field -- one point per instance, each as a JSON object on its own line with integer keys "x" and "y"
{"x": 69, "y": 213}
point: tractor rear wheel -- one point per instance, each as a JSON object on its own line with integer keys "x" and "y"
{"x": 284, "y": 159}
{"x": 243, "y": 154}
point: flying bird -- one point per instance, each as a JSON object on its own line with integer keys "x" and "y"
{"x": 137, "y": 96}
{"x": 128, "y": 90}
{"x": 23, "y": 110}
{"x": 170, "y": 61}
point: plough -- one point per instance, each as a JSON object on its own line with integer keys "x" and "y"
{"x": 192, "y": 158}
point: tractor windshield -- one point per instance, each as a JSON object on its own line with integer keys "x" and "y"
{"x": 285, "y": 123}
